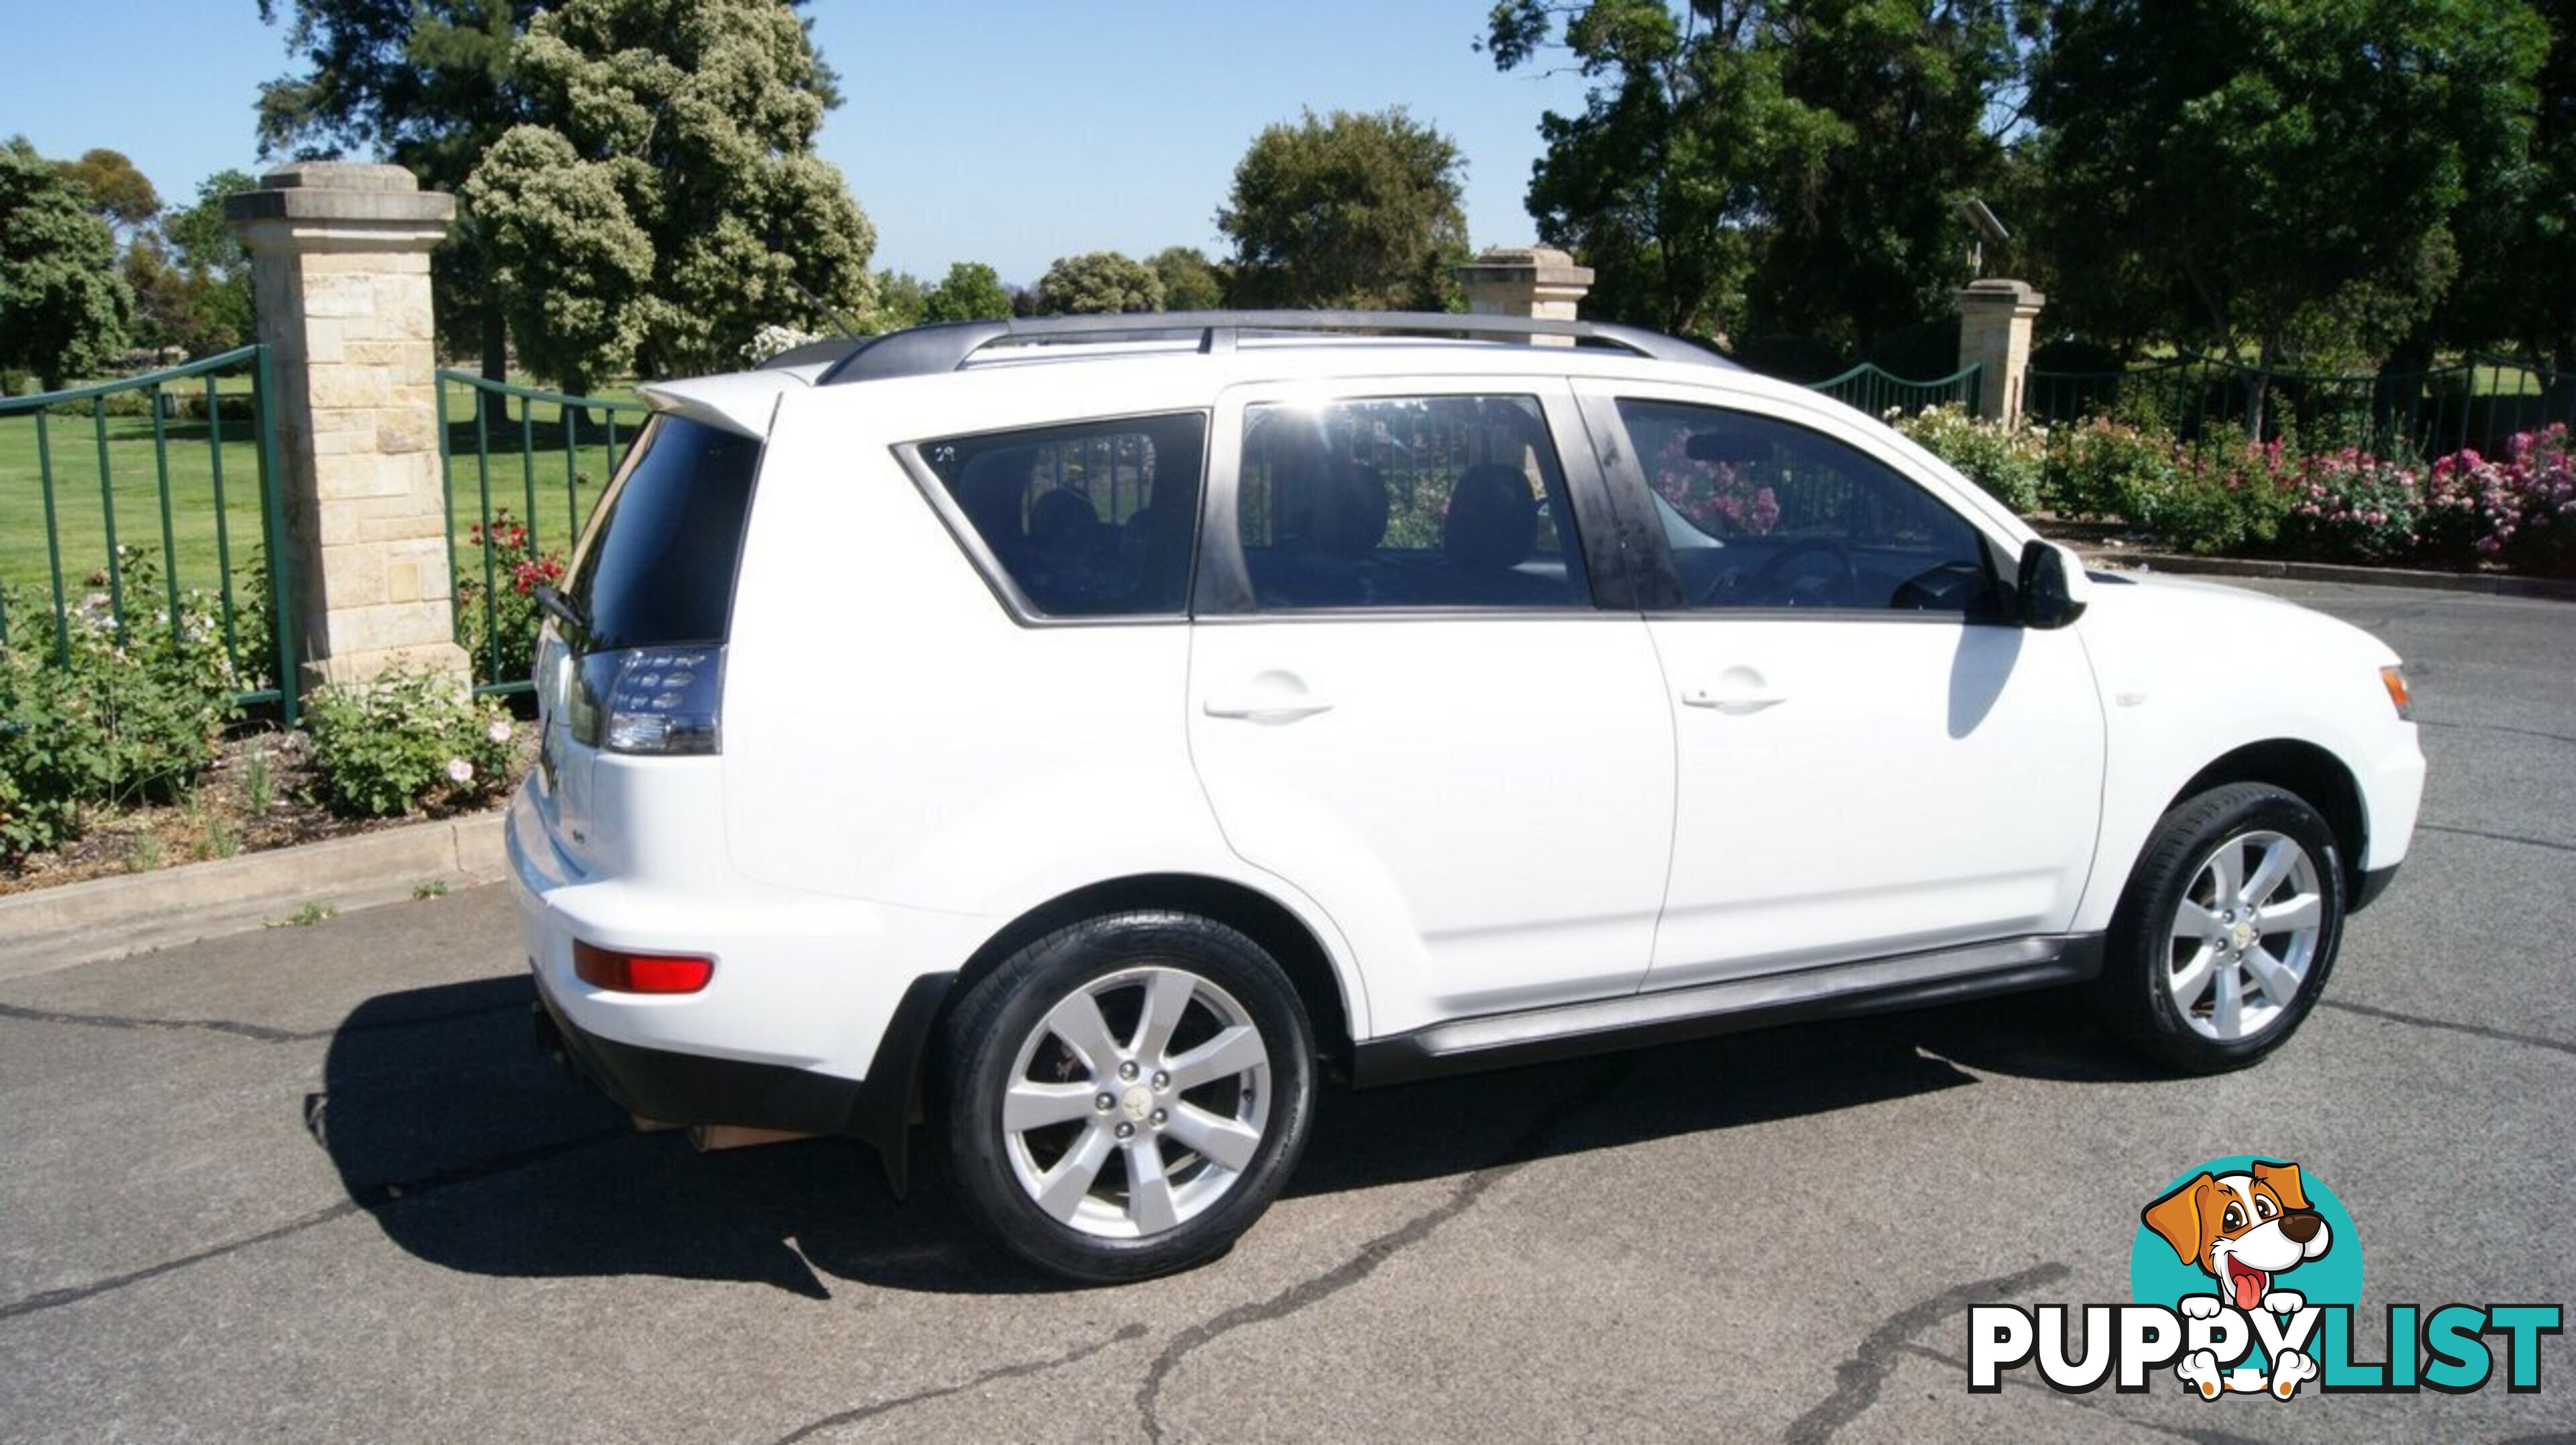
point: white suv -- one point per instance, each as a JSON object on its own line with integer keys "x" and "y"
{"x": 1088, "y": 734}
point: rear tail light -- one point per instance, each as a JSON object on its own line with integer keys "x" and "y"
{"x": 650, "y": 700}
{"x": 622, "y": 972}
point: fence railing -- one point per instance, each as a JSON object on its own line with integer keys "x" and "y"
{"x": 88, "y": 450}
{"x": 2478, "y": 402}
{"x": 503, "y": 533}
{"x": 1873, "y": 389}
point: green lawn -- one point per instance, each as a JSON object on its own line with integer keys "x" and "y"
{"x": 535, "y": 485}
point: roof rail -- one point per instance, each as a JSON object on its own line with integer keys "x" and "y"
{"x": 946, "y": 346}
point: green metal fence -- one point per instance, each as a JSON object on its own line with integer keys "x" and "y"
{"x": 511, "y": 526}
{"x": 202, "y": 438}
{"x": 2479, "y": 401}
{"x": 1875, "y": 390}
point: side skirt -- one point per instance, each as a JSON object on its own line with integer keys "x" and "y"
{"x": 1842, "y": 990}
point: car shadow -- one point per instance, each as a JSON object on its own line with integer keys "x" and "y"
{"x": 473, "y": 1149}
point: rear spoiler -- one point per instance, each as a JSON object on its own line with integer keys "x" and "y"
{"x": 740, "y": 402}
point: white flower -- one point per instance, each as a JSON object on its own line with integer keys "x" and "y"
{"x": 459, "y": 771}
{"x": 499, "y": 731}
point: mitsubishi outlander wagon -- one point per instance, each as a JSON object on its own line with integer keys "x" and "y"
{"x": 1084, "y": 737}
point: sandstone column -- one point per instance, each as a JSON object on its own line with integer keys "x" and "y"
{"x": 1995, "y": 319}
{"x": 340, "y": 268}
{"x": 1526, "y": 281}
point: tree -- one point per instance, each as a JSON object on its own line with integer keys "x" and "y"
{"x": 1347, "y": 210}
{"x": 208, "y": 309}
{"x": 118, "y": 193}
{"x": 1766, "y": 165}
{"x": 1190, "y": 283}
{"x": 63, "y": 307}
{"x": 664, "y": 202}
{"x": 971, "y": 291}
{"x": 2518, "y": 227}
{"x": 2283, "y": 172}
{"x": 902, "y": 300}
{"x": 1098, "y": 281}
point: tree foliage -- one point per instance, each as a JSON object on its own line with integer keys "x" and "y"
{"x": 2279, "y": 171}
{"x": 63, "y": 304}
{"x": 1190, "y": 281}
{"x": 971, "y": 291}
{"x": 1767, "y": 165}
{"x": 663, "y": 202}
{"x": 902, "y": 300}
{"x": 118, "y": 193}
{"x": 1098, "y": 281}
{"x": 1346, "y": 210}
{"x": 191, "y": 283}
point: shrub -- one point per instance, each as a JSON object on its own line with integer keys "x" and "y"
{"x": 407, "y": 740}
{"x": 118, "y": 717}
{"x": 2520, "y": 511}
{"x": 2007, "y": 459}
{"x": 2104, "y": 468}
{"x": 2350, "y": 506}
{"x": 512, "y": 615}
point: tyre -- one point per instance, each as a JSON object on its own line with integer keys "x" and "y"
{"x": 1125, "y": 1096}
{"x": 2227, "y": 930}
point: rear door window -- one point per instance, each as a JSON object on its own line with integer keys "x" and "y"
{"x": 1092, "y": 519}
{"x": 658, "y": 565}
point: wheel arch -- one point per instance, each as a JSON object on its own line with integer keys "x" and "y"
{"x": 2314, "y": 774}
{"x": 1247, "y": 910}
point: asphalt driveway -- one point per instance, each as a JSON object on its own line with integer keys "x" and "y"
{"x": 312, "y": 1183}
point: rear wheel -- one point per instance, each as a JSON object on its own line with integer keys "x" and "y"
{"x": 2227, "y": 931}
{"x": 1126, "y": 1096}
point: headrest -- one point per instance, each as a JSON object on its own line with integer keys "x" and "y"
{"x": 1493, "y": 521}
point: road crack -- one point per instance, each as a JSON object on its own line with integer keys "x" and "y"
{"x": 256, "y": 1033}
{"x": 1858, "y": 1380}
{"x": 370, "y": 1198}
{"x": 2554, "y": 847}
{"x": 1306, "y": 1293}
{"x": 1003, "y": 1372}
{"x": 2533, "y": 1041}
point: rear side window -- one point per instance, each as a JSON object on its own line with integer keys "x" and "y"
{"x": 1431, "y": 502}
{"x": 1095, "y": 519}
{"x": 658, "y": 565}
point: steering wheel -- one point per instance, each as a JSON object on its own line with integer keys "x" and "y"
{"x": 1792, "y": 575}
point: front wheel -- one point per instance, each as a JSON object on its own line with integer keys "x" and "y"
{"x": 2228, "y": 928}
{"x": 1126, "y": 1096}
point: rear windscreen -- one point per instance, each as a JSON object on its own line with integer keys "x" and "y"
{"x": 658, "y": 566}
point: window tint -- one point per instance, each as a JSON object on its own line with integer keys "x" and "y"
{"x": 1094, "y": 520}
{"x": 658, "y": 565}
{"x": 1765, "y": 513}
{"x": 1444, "y": 501}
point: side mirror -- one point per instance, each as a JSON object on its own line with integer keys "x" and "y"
{"x": 2053, "y": 588}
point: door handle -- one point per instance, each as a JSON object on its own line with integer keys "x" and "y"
{"x": 1735, "y": 702}
{"x": 1280, "y": 710}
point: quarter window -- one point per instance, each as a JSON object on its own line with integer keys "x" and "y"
{"x": 1761, "y": 512}
{"x": 1439, "y": 501}
{"x": 1093, "y": 520}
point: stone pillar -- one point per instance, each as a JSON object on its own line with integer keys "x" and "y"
{"x": 1526, "y": 281}
{"x": 340, "y": 268}
{"x": 1995, "y": 319}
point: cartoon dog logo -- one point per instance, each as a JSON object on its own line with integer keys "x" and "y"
{"x": 2244, "y": 1231}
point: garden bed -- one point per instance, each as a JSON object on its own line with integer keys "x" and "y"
{"x": 261, "y": 792}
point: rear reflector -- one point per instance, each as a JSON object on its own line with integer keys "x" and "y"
{"x": 640, "y": 972}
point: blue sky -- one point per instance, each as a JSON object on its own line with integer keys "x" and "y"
{"x": 1005, "y": 133}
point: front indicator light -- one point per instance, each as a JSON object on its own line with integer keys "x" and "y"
{"x": 2394, "y": 679}
{"x": 618, "y": 971}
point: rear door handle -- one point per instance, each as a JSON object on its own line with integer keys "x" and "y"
{"x": 1280, "y": 710}
{"x": 1732, "y": 701}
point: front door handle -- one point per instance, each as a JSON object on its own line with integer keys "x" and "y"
{"x": 1735, "y": 702}
{"x": 1280, "y": 710}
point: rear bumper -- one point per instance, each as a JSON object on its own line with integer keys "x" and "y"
{"x": 814, "y": 1022}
